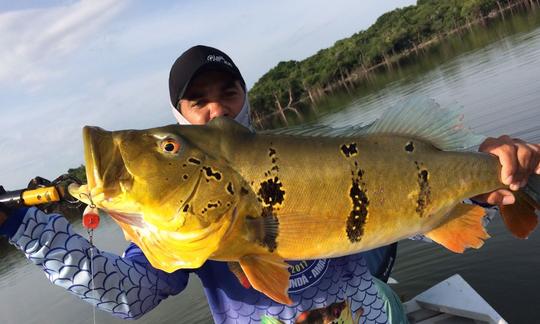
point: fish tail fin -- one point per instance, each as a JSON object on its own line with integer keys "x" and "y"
{"x": 520, "y": 217}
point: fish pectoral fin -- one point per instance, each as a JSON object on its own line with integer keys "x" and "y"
{"x": 268, "y": 274}
{"x": 236, "y": 269}
{"x": 520, "y": 217}
{"x": 463, "y": 230}
{"x": 263, "y": 229}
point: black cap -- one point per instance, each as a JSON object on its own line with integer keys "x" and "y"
{"x": 191, "y": 61}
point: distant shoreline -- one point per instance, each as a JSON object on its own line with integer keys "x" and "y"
{"x": 359, "y": 74}
{"x": 279, "y": 98}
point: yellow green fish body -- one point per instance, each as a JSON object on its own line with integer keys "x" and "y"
{"x": 351, "y": 202}
{"x": 185, "y": 194}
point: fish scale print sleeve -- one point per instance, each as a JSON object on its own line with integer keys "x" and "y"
{"x": 127, "y": 287}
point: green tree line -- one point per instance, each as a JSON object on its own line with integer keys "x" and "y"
{"x": 79, "y": 173}
{"x": 293, "y": 85}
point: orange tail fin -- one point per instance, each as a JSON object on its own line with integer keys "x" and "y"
{"x": 520, "y": 218}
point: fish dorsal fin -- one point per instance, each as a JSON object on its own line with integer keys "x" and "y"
{"x": 423, "y": 118}
{"x": 229, "y": 125}
{"x": 317, "y": 130}
{"x": 419, "y": 117}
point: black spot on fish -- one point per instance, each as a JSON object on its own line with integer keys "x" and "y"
{"x": 186, "y": 208}
{"x": 213, "y": 205}
{"x": 409, "y": 147}
{"x": 357, "y": 172}
{"x": 423, "y": 175}
{"x": 184, "y": 165}
{"x": 194, "y": 161}
{"x": 185, "y": 176}
{"x": 271, "y": 152}
{"x": 230, "y": 189}
{"x": 424, "y": 196}
{"x": 170, "y": 163}
{"x": 274, "y": 160}
{"x": 359, "y": 213}
{"x": 243, "y": 191}
{"x": 271, "y": 191}
{"x": 349, "y": 150}
{"x": 211, "y": 173}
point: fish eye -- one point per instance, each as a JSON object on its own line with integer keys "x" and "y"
{"x": 170, "y": 146}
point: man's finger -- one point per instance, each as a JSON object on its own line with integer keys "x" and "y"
{"x": 535, "y": 164}
{"x": 525, "y": 155}
{"x": 529, "y": 161}
{"x": 508, "y": 159}
{"x": 497, "y": 197}
{"x": 503, "y": 147}
{"x": 501, "y": 197}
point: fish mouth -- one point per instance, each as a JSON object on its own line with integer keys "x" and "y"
{"x": 105, "y": 168}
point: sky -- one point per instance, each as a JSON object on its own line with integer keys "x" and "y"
{"x": 66, "y": 64}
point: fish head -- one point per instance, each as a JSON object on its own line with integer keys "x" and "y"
{"x": 171, "y": 198}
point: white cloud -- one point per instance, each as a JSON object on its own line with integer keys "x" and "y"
{"x": 36, "y": 42}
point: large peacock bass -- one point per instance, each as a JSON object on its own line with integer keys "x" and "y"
{"x": 186, "y": 194}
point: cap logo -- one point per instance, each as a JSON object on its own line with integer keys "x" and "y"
{"x": 218, "y": 59}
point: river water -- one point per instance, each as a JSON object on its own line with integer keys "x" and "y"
{"x": 494, "y": 73}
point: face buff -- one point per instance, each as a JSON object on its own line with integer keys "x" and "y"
{"x": 242, "y": 117}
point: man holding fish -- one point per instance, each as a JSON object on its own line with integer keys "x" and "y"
{"x": 205, "y": 86}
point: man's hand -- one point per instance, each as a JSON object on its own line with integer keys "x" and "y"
{"x": 518, "y": 159}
